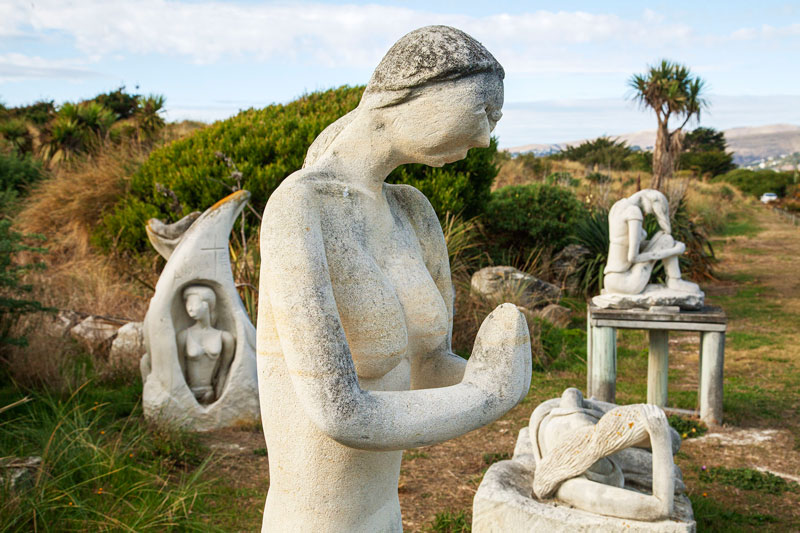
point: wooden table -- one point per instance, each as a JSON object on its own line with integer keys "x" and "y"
{"x": 601, "y": 339}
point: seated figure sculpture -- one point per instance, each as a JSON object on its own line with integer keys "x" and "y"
{"x": 205, "y": 353}
{"x": 631, "y": 257}
{"x": 356, "y": 299}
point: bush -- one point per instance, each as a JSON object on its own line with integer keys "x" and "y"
{"x": 266, "y": 145}
{"x": 532, "y": 216}
{"x": 757, "y": 182}
{"x": 598, "y": 178}
{"x": 711, "y": 163}
{"x": 17, "y": 174}
{"x": 602, "y": 152}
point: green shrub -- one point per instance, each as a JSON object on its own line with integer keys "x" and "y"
{"x": 12, "y": 302}
{"x": 266, "y": 145}
{"x": 687, "y": 428}
{"x": 757, "y": 182}
{"x": 748, "y": 479}
{"x": 598, "y": 178}
{"x": 450, "y": 522}
{"x": 591, "y": 232}
{"x": 527, "y": 217}
{"x": 17, "y": 174}
{"x": 712, "y": 162}
{"x": 563, "y": 179}
{"x": 602, "y": 152}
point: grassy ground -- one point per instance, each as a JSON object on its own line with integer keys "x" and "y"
{"x": 219, "y": 480}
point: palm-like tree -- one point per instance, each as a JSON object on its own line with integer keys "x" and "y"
{"x": 672, "y": 91}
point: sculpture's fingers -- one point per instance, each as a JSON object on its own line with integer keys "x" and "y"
{"x": 501, "y": 358}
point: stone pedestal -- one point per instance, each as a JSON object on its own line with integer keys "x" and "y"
{"x": 504, "y": 504}
{"x": 710, "y": 322}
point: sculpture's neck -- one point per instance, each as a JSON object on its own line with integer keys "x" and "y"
{"x": 361, "y": 154}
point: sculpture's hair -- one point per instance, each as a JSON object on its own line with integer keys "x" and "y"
{"x": 660, "y": 205}
{"x": 618, "y": 429}
{"x": 206, "y": 294}
{"x": 425, "y": 56}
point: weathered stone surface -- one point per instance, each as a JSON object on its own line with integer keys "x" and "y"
{"x": 355, "y": 297}
{"x": 500, "y": 283}
{"x": 63, "y": 321}
{"x": 558, "y": 315}
{"x": 128, "y": 346}
{"x": 96, "y": 334}
{"x": 199, "y": 369}
{"x": 652, "y": 296}
{"x": 505, "y": 502}
{"x": 19, "y": 472}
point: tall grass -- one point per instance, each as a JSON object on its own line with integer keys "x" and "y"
{"x": 102, "y": 468}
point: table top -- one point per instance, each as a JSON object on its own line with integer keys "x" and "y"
{"x": 706, "y": 315}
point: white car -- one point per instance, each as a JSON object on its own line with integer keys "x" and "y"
{"x": 768, "y": 197}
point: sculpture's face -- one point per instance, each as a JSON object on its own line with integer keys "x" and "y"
{"x": 196, "y": 307}
{"x": 449, "y": 118}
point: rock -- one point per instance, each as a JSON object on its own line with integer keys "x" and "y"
{"x": 558, "y": 315}
{"x": 19, "y": 472}
{"x": 505, "y": 283}
{"x": 128, "y": 346}
{"x": 652, "y": 296}
{"x": 63, "y": 321}
{"x": 566, "y": 263}
{"x": 96, "y": 334}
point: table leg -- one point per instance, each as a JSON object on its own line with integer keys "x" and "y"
{"x": 588, "y": 352}
{"x": 712, "y": 350}
{"x": 658, "y": 367}
{"x": 604, "y": 363}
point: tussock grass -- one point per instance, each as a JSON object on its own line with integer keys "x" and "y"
{"x": 102, "y": 469}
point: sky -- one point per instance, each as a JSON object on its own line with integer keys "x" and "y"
{"x": 567, "y": 63}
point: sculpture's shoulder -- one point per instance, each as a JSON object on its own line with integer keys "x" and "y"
{"x": 624, "y": 210}
{"x": 417, "y": 208}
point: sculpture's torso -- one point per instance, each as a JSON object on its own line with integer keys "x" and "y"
{"x": 203, "y": 348}
{"x": 621, "y": 213}
{"x": 391, "y": 311}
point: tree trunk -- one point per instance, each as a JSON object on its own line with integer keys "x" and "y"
{"x": 662, "y": 158}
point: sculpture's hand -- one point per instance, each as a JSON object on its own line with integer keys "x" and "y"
{"x": 500, "y": 364}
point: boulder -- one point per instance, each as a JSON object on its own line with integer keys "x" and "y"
{"x": 558, "y": 315}
{"x": 128, "y": 346}
{"x": 566, "y": 263}
{"x": 96, "y": 334}
{"x": 505, "y": 283}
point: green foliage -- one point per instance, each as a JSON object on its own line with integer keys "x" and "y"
{"x": 17, "y": 174}
{"x": 538, "y": 166}
{"x": 462, "y": 187}
{"x": 641, "y": 161}
{"x": 704, "y": 152}
{"x": 529, "y": 217}
{"x": 591, "y": 231}
{"x": 12, "y": 304}
{"x": 670, "y": 89}
{"x": 713, "y": 517}
{"x": 266, "y": 145}
{"x": 602, "y": 152}
{"x": 97, "y": 470}
{"x": 704, "y": 140}
{"x": 748, "y": 479}
{"x": 16, "y": 133}
{"x": 561, "y": 347}
{"x": 123, "y": 104}
{"x": 757, "y": 182}
{"x": 563, "y": 179}
{"x": 687, "y": 428}
{"x": 450, "y": 522}
{"x": 79, "y": 128}
{"x": 38, "y": 113}
{"x": 598, "y": 177}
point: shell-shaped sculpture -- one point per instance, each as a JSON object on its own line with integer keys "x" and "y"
{"x": 199, "y": 371}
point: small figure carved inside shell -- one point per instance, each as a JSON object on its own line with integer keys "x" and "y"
{"x": 205, "y": 353}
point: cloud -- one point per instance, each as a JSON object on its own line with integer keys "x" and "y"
{"x": 18, "y": 67}
{"x": 765, "y": 32}
{"x": 322, "y": 34}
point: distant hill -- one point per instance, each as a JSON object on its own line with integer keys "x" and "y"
{"x": 749, "y": 145}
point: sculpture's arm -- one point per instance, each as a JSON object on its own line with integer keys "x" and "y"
{"x": 635, "y": 244}
{"x": 228, "y": 348}
{"x": 295, "y": 279}
{"x": 182, "y": 350}
{"x": 440, "y": 367}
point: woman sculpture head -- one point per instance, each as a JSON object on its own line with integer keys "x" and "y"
{"x": 199, "y": 300}
{"x": 654, "y": 202}
{"x": 415, "y": 89}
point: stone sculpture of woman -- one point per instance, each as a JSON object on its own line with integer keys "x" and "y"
{"x": 631, "y": 257}
{"x": 356, "y": 300}
{"x": 573, "y": 445}
{"x": 205, "y": 353}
